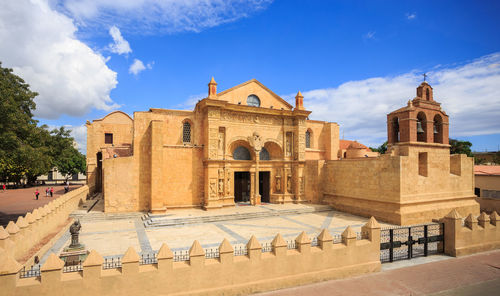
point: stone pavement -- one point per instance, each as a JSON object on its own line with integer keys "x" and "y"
{"x": 471, "y": 275}
{"x": 17, "y": 202}
{"x": 111, "y": 236}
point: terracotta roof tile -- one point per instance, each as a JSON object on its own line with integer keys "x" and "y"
{"x": 492, "y": 170}
{"x": 344, "y": 144}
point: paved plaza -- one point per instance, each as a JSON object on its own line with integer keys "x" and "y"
{"x": 17, "y": 202}
{"x": 111, "y": 235}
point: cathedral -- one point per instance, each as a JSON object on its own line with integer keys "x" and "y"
{"x": 248, "y": 145}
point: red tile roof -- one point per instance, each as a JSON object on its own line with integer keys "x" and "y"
{"x": 344, "y": 144}
{"x": 488, "y": 170}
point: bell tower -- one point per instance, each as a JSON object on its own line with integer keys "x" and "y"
{"x": 421, "y": 121}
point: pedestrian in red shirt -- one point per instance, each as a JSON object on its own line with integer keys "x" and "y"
{"x": 3, "y": 187}
{"x": 37, "y": 193}
{"x": 51, "y": 191}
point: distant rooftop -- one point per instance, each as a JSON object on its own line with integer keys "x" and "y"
{"x": 487, "y": 170}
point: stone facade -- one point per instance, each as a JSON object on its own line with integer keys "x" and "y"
{"x": 246, "y": 144}
{"x": 164, "y": 159}
{"x": 416, "y": 181}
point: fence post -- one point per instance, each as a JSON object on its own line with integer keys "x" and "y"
{"x": 130, "y": 261}
{"x": 349, "y": 236}
{"x": 303, "y": 243}
{"x": 165, "y": 258}
{"x": 9, "y": 269}
{"x": 452, "y": 227}
{"x": 254, "y": 248}
{"x": 325, "y": 240}
{"x": 226, "y": 252}
{"x": 279, "y": 245}
{"x": 52, "y": 270}
{"x": 92, "y": 266}
{"x": 196, "y": 255}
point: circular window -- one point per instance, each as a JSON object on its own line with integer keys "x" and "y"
{"x": 253, "y": 100}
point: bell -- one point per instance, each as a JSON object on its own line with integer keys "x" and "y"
{"x": 435, "y": 129}
{"x": 420, "y": 130}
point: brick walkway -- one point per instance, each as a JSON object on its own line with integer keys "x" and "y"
{"x": 17, "y": 202}
{"x": 472, "y": 275}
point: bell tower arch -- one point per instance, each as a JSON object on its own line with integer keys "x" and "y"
{"x": 421, "y": 121}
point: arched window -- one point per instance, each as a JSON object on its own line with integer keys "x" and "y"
{"x": 253, "y": 100}
{"x": 427, "y": 94}
{"x": 438, "y": 129}
{"x": 241, "y": 153}
{"x": 264, "y": 154}
{"x": 421, "y": 127}
{"x": 308, "y": 139}
{"x": 186, "y": 132}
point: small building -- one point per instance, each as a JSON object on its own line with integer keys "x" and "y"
{"x": 487, "y": 187}
{"x": 54, "y": 177}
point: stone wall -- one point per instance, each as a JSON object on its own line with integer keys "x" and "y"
{"x": 275, "y": 267}
{"x": 410, "y": 184}
{"x": 477, "y": 234}
{"x": 24, "y": 238}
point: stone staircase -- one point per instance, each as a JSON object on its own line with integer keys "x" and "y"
{"x": 163, "y": 220}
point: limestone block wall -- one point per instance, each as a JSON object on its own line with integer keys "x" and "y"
{"x": 313, "y": 172}
{"x": 478, "y": 234}
{"x": 433, "y": 182}
{"x": 257, "y": 269}
{"x": 489, "y": 196}
{"x": 120, "y": 185}
{"x": 365, "y": 186}
{"x": 117, "y": 123}
{"x": 21, "y": 239}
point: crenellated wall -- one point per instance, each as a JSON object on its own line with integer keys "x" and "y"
{"x": 256, "y": 270}
{"x": 477, "y": 234}
{"x": 22, "y": 239}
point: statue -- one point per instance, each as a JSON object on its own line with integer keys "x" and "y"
{"x": 75, "y": 230}
{"x": 278, "y": 183}
{"x": 289, "y": 183}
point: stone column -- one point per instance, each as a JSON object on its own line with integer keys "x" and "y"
{"x": 256, "y": 197}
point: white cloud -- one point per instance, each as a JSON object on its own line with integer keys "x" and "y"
{"x": 469, "y": 93}
{"x": 40, "y": 45}
{"x": 79, "y": 133}
{"x": 411, "y": 16}
{"x": 153, "y": 16}
{"x": 370, "y": 35}
{"x": 120, "y": 45}
{"x": 136, "y": 67}
{"x": 191, "y": 101}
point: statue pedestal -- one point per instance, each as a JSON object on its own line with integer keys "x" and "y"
{"x": 74, "y": 255}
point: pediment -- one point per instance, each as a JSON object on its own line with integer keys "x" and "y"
{"x": 240, "y": 93}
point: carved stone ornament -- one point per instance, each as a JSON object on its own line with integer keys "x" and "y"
{"x": 289, "y": 183}
{"x": 255, "y": 141}
{"x": 278, "y": 183}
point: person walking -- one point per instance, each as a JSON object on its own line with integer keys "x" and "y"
{"x": 4, "y": 187}
{"x": 51, "y": 191}
{"x": 47, "y": 192}
{"x": 37, "y": 193}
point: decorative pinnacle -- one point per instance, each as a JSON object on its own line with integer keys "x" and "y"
{"x": 212, "y": 81}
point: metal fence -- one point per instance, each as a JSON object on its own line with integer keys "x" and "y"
{"x": 183, "y": 255}
{"x": 409, "y": 242}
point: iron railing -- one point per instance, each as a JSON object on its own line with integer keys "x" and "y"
{"x": 33, "y": 271}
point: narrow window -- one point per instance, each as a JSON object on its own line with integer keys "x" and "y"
{"x": 477, "y": 191}
{"x": 422, "y": 164}
{"x": 108, "y": 138}
{"x": 427, "y": 95}
{"x": 308, "y": 139}
{"x": 186, "y": 132}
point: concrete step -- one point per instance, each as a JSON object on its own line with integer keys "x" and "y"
{"x": 163, "y": 220}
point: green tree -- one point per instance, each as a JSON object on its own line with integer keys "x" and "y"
{"x": 461, "y": 147}
{"x": 496, "y": 158}
{"x": 380, "y": 149}
{"x": 16, "y": 125}
{"x": 27, "y": 150}
{"x": 67, "y": 159}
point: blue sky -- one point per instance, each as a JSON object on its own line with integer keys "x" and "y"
{"x": 354, "y": 61}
